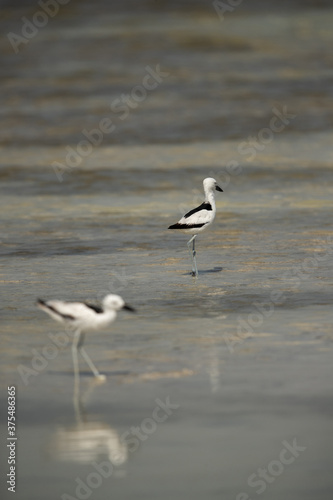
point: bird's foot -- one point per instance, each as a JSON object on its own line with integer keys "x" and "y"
{"x": 100, "y": 379}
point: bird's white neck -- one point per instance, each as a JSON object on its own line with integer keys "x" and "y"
{"x": 209, "y": 196}
{"x": 104, "y": 319}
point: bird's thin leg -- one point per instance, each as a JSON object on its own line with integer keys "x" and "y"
{"x": 194, "y": 259}
{"x": 193, "y": 254}
{"x": 76, "y": 341}
{"x": 189, "y": 247}
{"x": 89, "y": 362}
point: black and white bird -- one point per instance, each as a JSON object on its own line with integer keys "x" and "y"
{"x": 82, "y": 317}
{"x": 198, "y": 219}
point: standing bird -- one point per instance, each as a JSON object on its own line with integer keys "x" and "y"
{"x": 198, "y": 219}
{"x": 82, "y": 317}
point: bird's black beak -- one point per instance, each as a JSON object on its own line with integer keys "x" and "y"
{"x": 219, "y": 189}
{"x": 129, "y": 308}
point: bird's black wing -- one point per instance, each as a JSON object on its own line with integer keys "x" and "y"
{"x": 204, "y": 206}
{"x": 97, "y": 309}
{"x": 179, "y": 225}
{"x": 53, "y": 309}
{"x": 183, "y": 224}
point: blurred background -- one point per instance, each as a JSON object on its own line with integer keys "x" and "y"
{"x": 228, "y": 68}
{"x": 112, "y": 114}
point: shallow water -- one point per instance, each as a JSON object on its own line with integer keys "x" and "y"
{"x": 244, "y": 351}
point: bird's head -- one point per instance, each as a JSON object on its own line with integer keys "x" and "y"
{"x": 210, "y": 184}
{"x": 115, "y": 303}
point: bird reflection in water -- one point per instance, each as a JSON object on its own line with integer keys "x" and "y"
{"x": 213, "y": 362}
{"x": 86, "y": 441}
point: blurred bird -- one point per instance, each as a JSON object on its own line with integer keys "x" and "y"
{"x": 83, "y": 317}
